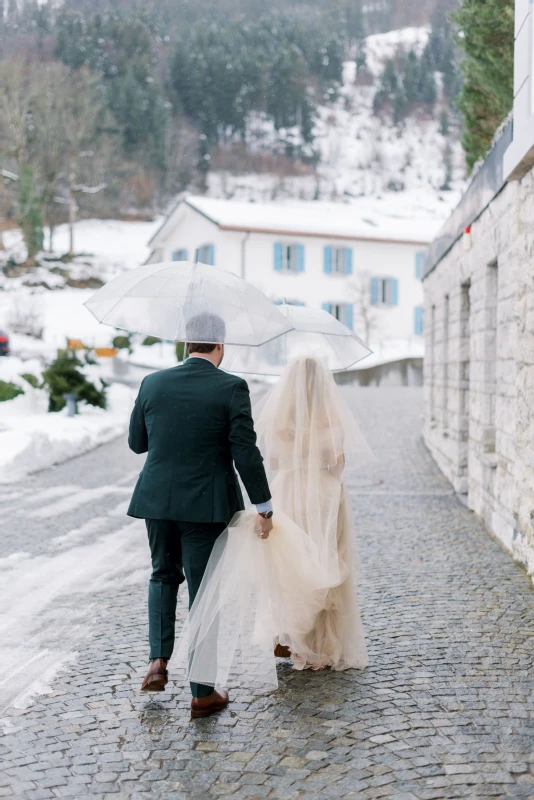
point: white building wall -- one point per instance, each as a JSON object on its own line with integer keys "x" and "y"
{"x": 479, "y": 368}
{"x": 253, "y": 254}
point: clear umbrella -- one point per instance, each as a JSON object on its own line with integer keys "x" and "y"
{"x": 314, "y": 332}
{"x": 185, "y": 301}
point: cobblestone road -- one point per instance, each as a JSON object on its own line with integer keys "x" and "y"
{"x": 444, "y": 709}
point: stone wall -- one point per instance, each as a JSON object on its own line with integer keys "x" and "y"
{"x": 479, "y": 368}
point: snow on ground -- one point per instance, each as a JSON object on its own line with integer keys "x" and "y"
{"x": 48, "y": 610}
{"x": 62, "y": 315}
{"x": 32, "y": 439}
{"x": 381, "y": 46}
{"x": 106, "y": 246}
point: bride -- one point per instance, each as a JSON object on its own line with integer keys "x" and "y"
{"x": 296, "y": 590}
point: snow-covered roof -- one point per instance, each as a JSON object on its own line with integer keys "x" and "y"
{"x": 338, "y": 220}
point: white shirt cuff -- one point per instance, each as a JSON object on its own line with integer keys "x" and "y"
{"x": 263, "y": 507}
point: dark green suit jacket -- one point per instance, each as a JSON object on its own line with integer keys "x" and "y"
{"x": 195, "y": 422}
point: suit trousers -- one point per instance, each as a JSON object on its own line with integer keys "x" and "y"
{"x": 177, "y": 549}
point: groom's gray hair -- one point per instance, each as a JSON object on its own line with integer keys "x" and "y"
{"x": 204, "y": 331}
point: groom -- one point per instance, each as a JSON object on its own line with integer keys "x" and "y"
{"x": 195, "y": 423}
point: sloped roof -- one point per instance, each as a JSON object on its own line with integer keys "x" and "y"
{"x": 336, "y": 220}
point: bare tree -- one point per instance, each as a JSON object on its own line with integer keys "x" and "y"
{"x": 18, "y": 94}
{"x": 51, "y": 121}
{"x": 366, "y": 316}
{"x": 80, "y": 111}
{"x": 181, "y": 152}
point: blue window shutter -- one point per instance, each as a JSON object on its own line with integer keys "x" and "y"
{"x": 175, "y": 255}
{"x": 419, "y": 265}
{"x": 348, "y": 260}
{"x": 278, "y": 256}
{"x": 327, "y": 259}
{"x": 183, "y": 255}
{"x": 374, "y": 291}
{"x": 349, "y": 316}
{"x": 418, "y": 321}
{"x": 278, "y": 302}
{"x": 211, "y": 254}
{"x": 299, "y": 303}
{"x": 327, "y": 307}
{"x": 394, "y": 292}
{"x": 300, "y": 258}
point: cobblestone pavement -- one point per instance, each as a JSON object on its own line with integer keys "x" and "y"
{"x": 444, "y": 709}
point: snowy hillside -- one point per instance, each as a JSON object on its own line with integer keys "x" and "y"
{"x": 395, "y": 170}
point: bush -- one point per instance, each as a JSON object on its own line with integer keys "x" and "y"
{"x": 8, "y": 391}
{"x": 33, "y": 380}
{"x": 63, "y": 376}
{"x": 123, "y": 342}
{"x": 180, "y": 351}
{"x": 148, "y": 341}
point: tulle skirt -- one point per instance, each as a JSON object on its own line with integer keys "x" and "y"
{"x": 257, "y": 592}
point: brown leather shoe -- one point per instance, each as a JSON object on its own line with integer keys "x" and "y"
{"x": 206, "y": 706}
{"x": 281, "y": 651}
{"x": 156, "y": 678}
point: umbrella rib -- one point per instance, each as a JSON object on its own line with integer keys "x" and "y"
{"x": 183, "y": 304}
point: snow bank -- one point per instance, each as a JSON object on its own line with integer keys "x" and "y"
{"x": 107, "y": 246}
{"x": 381, "y": 46}
{"x": 31, "y": 439}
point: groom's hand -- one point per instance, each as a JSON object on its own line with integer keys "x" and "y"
{"x": 263, "y": 526}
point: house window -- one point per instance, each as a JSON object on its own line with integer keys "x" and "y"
{"x": 418, "y": 321}
{"x": 384, "y": 292}
{"x": 206, "y": 254}
{"x": 419, "y": 258}
{"x": 338, "y": 260}
{"x": 288, "y": 257}
{"x": 179, "y": 255}
{"x": 343, "y": 312}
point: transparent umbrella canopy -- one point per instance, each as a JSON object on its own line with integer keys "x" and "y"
{"x": 186, "y": 301}
{"x": 314, "y": 332}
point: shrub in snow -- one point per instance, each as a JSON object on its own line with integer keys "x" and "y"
{"x": 33, "y": 380}
{"x": 64, "y": 376}
{"x": 8, "y": 391}
{"x": 148, "y": 341}
{"x": 123, "y": 342}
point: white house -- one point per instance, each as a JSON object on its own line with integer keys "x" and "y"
{"x": 366, "y": 271}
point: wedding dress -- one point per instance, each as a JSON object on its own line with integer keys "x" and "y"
{"x": 298, "y": 587}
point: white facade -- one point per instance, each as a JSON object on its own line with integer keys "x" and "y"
{"x": 381, "y": 297}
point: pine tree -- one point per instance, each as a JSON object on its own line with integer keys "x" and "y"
{"x": 486, "y": 36}
{"x": 426, "y": 85}
{"x": 411, "y": 76}
{"x": 29, "y": 212}
{"x": 444, "y": 123}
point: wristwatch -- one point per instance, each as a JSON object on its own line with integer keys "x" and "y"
{"x": 266, "y": 514}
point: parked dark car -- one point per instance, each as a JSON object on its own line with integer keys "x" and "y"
{"x": 4, "y": 344}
